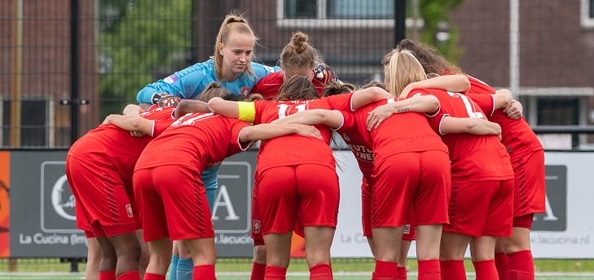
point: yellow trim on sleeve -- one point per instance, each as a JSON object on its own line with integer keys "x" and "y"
{"x": 247, "y": 111}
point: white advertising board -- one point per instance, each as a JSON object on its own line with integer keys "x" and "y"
{"x": 565, "y": 231}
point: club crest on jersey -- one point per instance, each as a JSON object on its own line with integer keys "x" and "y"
{"x": 256, "y": 226}
{"x": 129, "y": 211}
{"x": 171, "y": 79}
{"x": 244, "y": 91}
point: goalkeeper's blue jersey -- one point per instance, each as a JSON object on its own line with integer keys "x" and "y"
{"x": 188, "y": 83}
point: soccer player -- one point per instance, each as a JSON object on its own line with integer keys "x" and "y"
{"x": 298, "y": 57}
{"x": 170, "y": 191}
{"x": 481, "y": 199}
{"x": 231, "y": 66}
{"x": 99, "y": 169}
{"x": 513, "y": 255}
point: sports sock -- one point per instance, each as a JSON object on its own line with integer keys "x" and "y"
{"x": 152, "y": 276}
{"x": 485, "y": 270}
{"x": 385, "y": 271}
{"x": 321, "y": 271}
{"x": 521, "y": 265}
{"x": 185, "y": 268}
{"x": 107, "y": 275}
{"x": 275, "y": 273}
{"x": 453, "y": 270}
{"x": 129, "y": 275}
{"x": 402, "y": 273}
{"x": 258, "y": 271}
{"x": 429, "y": 270}
{"x": 502, "y": 264}
{"x": 204, "y": 272}
{"x": 173, "y": 267}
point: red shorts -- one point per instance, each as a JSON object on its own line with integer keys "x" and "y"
{"x": 524, "y": 221}
{"x": 483, "y": 208}
{"x": 173, "y": 202}
{"x": 306, "y": 194}
{"x": 256, "y": 219}
{"x": 100, "y": 193}
{"x": 409, "y": 233}
{"x": 411, "y": 184}
{"x": 366, "y": 208}
{"x": 529, "y": 191}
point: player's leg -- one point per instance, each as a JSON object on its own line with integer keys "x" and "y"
{"x": 430, "y": 210}
{"x": 529, "y": 198}
{"x": 278, "y": 211}
{"x": 318, "y": 191}
{"x": 498, "y": 223}
{"x": 144, "y": 254}
{"x": 203, "y": 254}
{"x": 402, "y": 259}
{"x": 127, "y": 249}
{"x": 259, "y": 253}
{"x": 185, "y": 264}
{"x": 391, "y": 208}
{"x": 93, "y": 259}
{"x": 160, "y": 257}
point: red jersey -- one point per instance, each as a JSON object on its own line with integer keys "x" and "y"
{"x": 198, "y": 139}
{"x": 355, "y": 134}
{"x": 403, "y": 133}
{"x": 116, "y": 146}
{"x": 269, "y": 85}
{"x": 516, "y": 134}
{"x": 392, "y": 137}
{"x": 295, "y": 149}
{"x": 473, "y": 157}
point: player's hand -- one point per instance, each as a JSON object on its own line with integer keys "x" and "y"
{"x": 108, "y": 119}
{"x": 323, "y": 73}
{"x": 137, "y": 134}
{"x": 168, "y": 101}
{"x": 514, "y": 110}
{"x": 308, "y": 131}
{"x": 377, "y": 116}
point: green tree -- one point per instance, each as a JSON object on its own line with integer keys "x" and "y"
{"x": 140, "y": 37}
{"x": 435, "y": 15}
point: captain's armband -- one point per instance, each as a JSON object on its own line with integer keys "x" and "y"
{"x": 247, "y": 111}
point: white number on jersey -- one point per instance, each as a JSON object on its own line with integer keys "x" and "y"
{"x": 470, "y": 109}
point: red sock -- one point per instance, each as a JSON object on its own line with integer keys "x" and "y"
{"x": 429, "y": 270}
{"x": 107, "y": 275}
{"x": 485, "y": 270}
{"x": 204, "y": 272}
{"x": 453, "y": 270}
{"x": 129, "y": 275}
{"x": 502, "y": 264}
{"x": 275, "y": 273}
{"x": 402, "y": 275}
{"x": 321, "y": 271}
{"x": 258, "y": 271}
{"x": 385, "y": 271}
{"x": 152, "y": 276}
{"x": 521, "y": 265}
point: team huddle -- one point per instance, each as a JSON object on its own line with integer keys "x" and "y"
{"x": 447, "y": 162}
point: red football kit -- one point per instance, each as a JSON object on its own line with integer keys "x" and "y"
{"x": 99, "y": 168}
{"x": 481, "y": 199}
{"x": 525, "y": 150}
{"x": 167, "y": 177}
{"x": 355, "y": 134}
{"x": 303, "y": 166}
{"x": 411, "y": 172}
